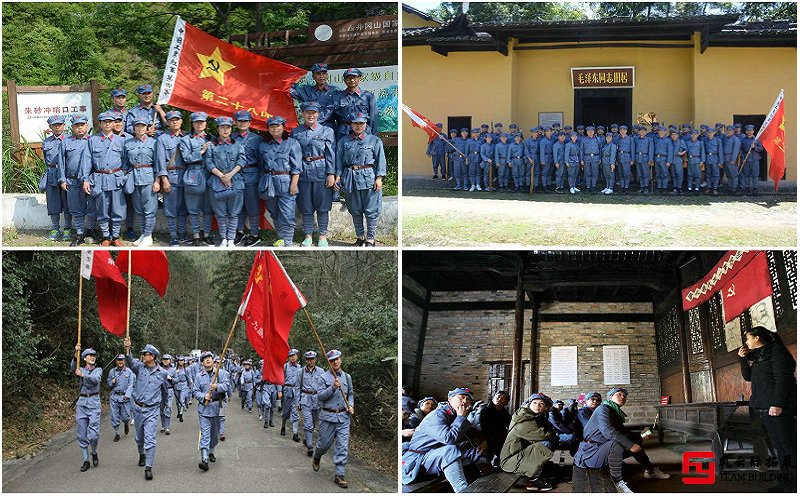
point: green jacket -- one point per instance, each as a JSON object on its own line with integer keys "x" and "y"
{"x": 522, "y": 453}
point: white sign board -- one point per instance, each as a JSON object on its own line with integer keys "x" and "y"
{"x": 564, "y": 366}
{"x": 616, "y": 365}
{"x": 33, "y": 110}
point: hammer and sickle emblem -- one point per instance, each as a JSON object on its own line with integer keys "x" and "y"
{"x": 731, "y": 291}
{"x": 213, "y": 65}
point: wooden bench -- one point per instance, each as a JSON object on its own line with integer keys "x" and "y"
{"x": 495, "y": 482}
{"x": 722, "y": 423}
{"x": 436, "y": 485}
{"x": 592, "y": 480}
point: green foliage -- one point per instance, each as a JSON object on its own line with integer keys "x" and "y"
{"x": 22, "y": 178}
{"x": 509, "y": 11}
{"x": 390, "y": 183}
{"x": 352, "y": 299}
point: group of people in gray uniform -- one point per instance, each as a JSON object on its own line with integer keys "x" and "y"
{"x": 657, "y": 160}
{"x": 140, "y": 154}
{"x": 143, "y": 390}
{"x": 447, "y": 439}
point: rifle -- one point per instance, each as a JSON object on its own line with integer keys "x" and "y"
{"x": 75, "y": 401}
{"x": 490, "y": 176}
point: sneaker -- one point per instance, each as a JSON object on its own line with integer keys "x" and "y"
{"x": 55, "y": 234}
{"x": 238, "y": 238}
{"x": 208, "y": 241}
{"x": 359, "y": 242}
{"x": 146, "y": 241}
{"x": 339, "y": 480}
{"x": 656, "y": 474}
{"x": 280, "y": 242}
{"x": 323, "y": 243}
{"x": 148, "y": 473}
{"x": 307, "y": 242}
{"x": 197, "y": 242}
{"x": 622, "y": 487}
{"x": 223, "y": 243}
{"x": 166, "y": 432}
{"x": 472, "y": 188}
{"x": 572, "y": 191}
{"x": 478, "y": 187}
{"x": 251, "y": 240}
{"x": 66, "y": 235}
{"x": 138, "y": 240}
{"x": 538, "y": 484}
{"x": 435, "y": 176}
{"x": 142, "y": 459}
{"x": 577, "y": 190}
{"x": 174, "y": 242}
{"x": 315, "y": 464}
{"x": 458, "y": 187}
{"x": 203, "y": 465}
{"x": 609, "y": 191}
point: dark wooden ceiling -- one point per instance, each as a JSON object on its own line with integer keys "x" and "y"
{"x": 581, "y": 276}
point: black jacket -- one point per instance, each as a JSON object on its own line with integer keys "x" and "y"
{"x": 772, "y": 376}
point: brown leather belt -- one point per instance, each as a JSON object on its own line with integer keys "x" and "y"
{"x": 250, "y": 166}
{"x": 360, "y": 167}
{"x": 175, "y": 167}
{"x": 52, "y": 166}
{"x": 88, "y": 395}
{"x": 335, "y": 410}
{"x": 280, "y": 173}
{"x": 142, "y": 166}
{"x": 311, "y": 159}
{"x": 110, "y": 171}
{"x": 309, "y": 392}
{"x": 142, "y": 405}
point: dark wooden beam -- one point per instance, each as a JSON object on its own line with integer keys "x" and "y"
{"x": 411, "y": 296}
{"x": 708, "y": 347}
{"x": 519, "y": 324}
{"x": 684, "y": 349}
{"x": 423, "y": 327}
{"x": 604, "y": 45}
{"x": 534, "y": 344}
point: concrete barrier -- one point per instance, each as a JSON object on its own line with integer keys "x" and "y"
{"x": 29, "y": 212}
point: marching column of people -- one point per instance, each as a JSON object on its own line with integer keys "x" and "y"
{"x": 658, "y": 160}
{"x": 142, "y": 157}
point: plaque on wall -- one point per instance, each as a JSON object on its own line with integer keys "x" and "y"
{"x": 564, "y": 366}
{"x": 616, "y": 365}
{"x": 763, "y": 314}
{"x": 547, "y": 119}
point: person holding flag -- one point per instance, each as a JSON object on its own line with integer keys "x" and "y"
{"x": 87, "y": 413}
{"x": 436, "y": 151}
{"x": 752, "y": 161}
{"x": 336, "y": 402}
{"x": 210, "y": 390}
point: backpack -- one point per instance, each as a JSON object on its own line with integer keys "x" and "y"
{"x": 474, "y": 416}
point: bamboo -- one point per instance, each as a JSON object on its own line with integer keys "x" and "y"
{"x": 324, "y": 352}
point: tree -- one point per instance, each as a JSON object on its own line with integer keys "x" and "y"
{"x": 508, "y": 11}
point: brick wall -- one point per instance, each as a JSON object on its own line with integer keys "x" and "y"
{"x": 459, "y": 344}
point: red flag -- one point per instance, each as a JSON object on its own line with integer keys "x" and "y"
{"x": 204, "y": 73}
{"x": 728, "y": 266}
{"x": 750, "y": 285}
{"x": 150, "y": 265}
{"x": 422, "y": 122}
{"x": 773, "y": 139}
{"x": 268, "y": 306}
{"x": 112, "y": 290}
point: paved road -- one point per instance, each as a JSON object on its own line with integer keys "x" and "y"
{"x": 252, "y": 459}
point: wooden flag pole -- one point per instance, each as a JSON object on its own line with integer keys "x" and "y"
{"x": 80, "y": 314}
{"x": 128, "y": 318}
{"x": 324, "y": 352}
{"x": 224, "y": 349}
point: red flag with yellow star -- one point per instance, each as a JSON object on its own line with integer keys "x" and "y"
{"x": 268, "y": 306}
{"x": 773, "y": 139}
{"x": 205, "y": 74}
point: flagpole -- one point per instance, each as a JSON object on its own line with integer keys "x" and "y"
{"x": 224, "y": 349}
{"x": 324, "y": 352}
{"x": 444, "y": 137}
{"x": 128, "y": 318}
{"x": 80, "y": 313}
{"x": 761, "y": 129}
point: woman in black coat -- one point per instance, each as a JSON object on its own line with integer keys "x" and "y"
{"x": 769, "y": 367}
